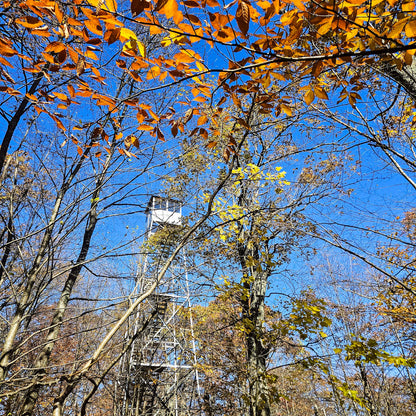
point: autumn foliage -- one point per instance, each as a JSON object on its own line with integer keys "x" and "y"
{"x": 252, "y": 47}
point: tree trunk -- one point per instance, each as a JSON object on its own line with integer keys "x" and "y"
{"x": 43, "y": 359}
{"x": 25, "y": 298}
{"x": 256, "y": 351}
{"x": 255, "y": 286}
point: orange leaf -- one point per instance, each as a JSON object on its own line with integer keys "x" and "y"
{"x": 71, "y": 90}
{"x": 94, "y": 26}
{"x": 226, "y": 154}
{"x": 300, "y": 5}
{"x": 48, "y": 58}
{"x": 39, "y": 110}
{"x": 91, "y": 55}
{"x": 30, "y": 22}
{"x": 326, "y": 26}
{"x": 222, "y": 101}
{"x": 7, "y": 76}
{"x": 243, "y": 17}
{"x": 61, "y": 96}
{"x": 58, "y": 13}
{"x": 145, "y": 127}
{"x": 184, "y": 58}
{"x": 200, "y": 99}
{"x": 55, "y": 47}
{"x": 408, "y": 7}
{"x": 170, "y": 9}
{"x": 58, "y": 122}
{"x": 202, "y": 120}
{"x": 32, "y": 97}
{"x": 73, "y": 54}
{"x": 5, "y": 62}
{"x": 225, "y": 35}
{"x": 263, "y": 4}
{"x": 154, "y": 72}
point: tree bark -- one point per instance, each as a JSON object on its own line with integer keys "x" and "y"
{"x": 405, "y": 77}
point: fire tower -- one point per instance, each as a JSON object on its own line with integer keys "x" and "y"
{"x": 158, "y": 373}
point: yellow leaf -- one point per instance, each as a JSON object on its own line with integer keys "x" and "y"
{"x": 200, "y": 66}
{"x": 286, "y": 18}
{"x": 95, "y": 3}
{"x": 375, "y": 2}
{"x": 396, "y": 29}
{"x": 321, "y": 93}
{"x": 127, "y": 34}
{"x": 411, "y": 29}
{"x": 112, "y": 5}
{"x": 142, "y": 49}
{"x": 326, "y": 26}
{"x": 351, "y": 34}
{"x": 309, "y": 97}
{"x": 286, "y": 109}
{"x": 408, "y": 7}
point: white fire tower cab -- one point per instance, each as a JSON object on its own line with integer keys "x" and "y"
{"x": 159, "y": 374}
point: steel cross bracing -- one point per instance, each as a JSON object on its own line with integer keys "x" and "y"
{"x": 159, "y": 374}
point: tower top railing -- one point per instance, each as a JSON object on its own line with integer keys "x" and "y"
{"x": 163, "y": 211}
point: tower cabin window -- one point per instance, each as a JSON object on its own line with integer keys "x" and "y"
{"x": 165, "y": 204}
